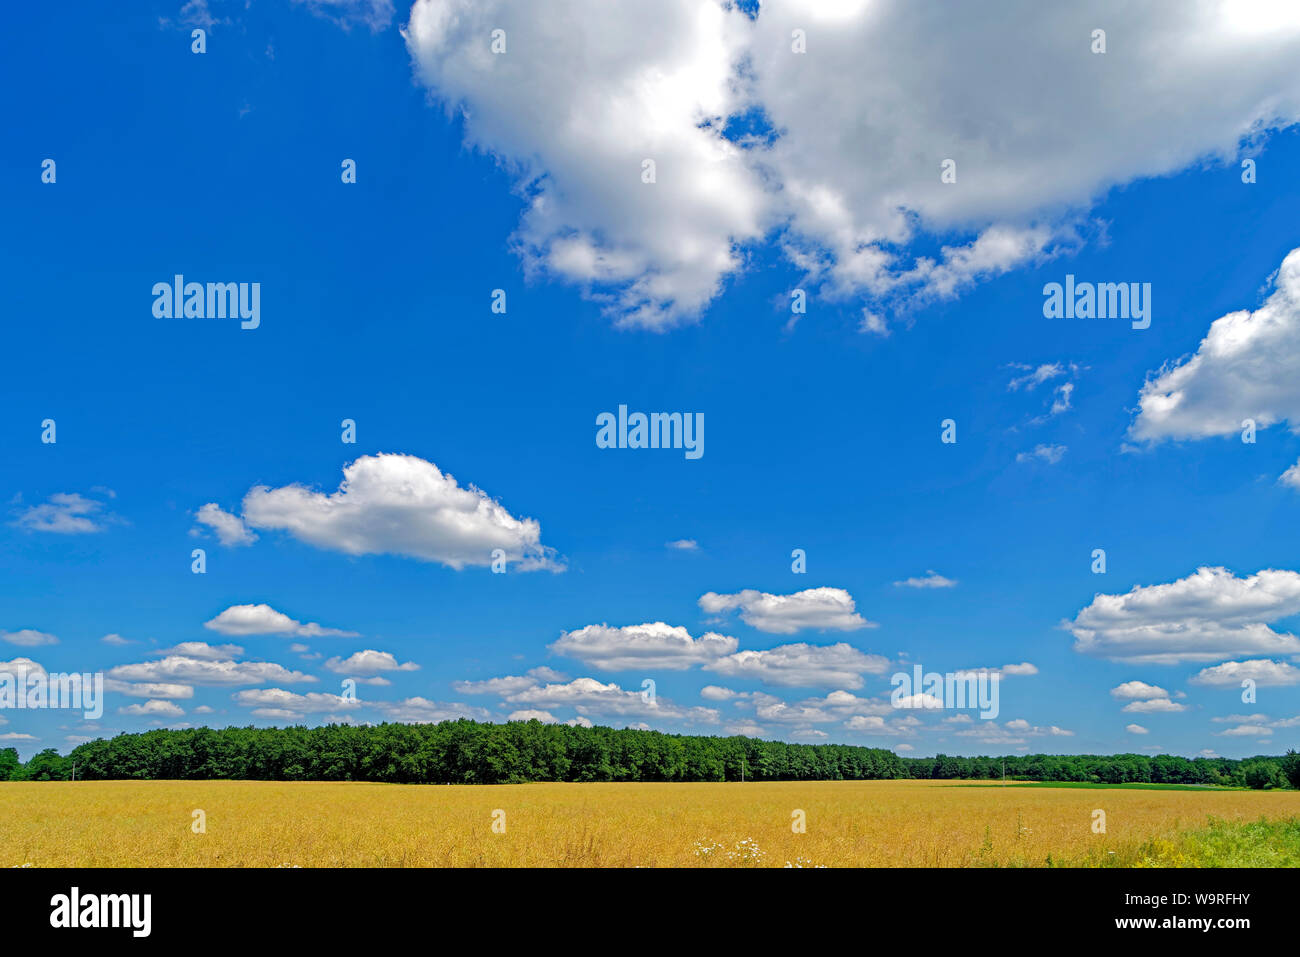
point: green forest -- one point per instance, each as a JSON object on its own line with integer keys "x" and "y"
{"x": 472, "y": 752}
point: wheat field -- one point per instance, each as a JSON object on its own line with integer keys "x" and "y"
{"x": 849, "y": 823}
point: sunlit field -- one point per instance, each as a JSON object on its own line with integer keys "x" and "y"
{"x": 857, "y": 823}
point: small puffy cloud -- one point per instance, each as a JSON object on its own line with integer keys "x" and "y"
{"x": 591, "y": 697}
{"x": 683, "y": 545}
{"x": 833, "y": 708}
{"x": 201, "y": 649}
{"x": 1262, "y": 671}
{"x": 1247, "y": 731}
{"x": 771, "y": 708}
{"x": 1145, "y": 698}
{"x": 66, "y": 513}
{"x": 579, "y": 722}
{"x": 151, "y": 689}
{"x": 826, "y": 609}
{"x": 919, "y": 700}
{"x": 532, "y": 714}
{"x": 18, "y": 666}
{"x": 717, "y": 693}
{"x": 1244, "y": 368}
{"x": 873, "y": 323}
{"x": 496, "y": 686}
{"x": 802, "y": 665}
{"x": 230, "y": 529}
{"x": 1137, "y": 691}
{"x": 1154, "y": 706}
{"x": 1207, "y": 616}
{"x": 1135, "y": 729}
{"x": 929, "y": 580}
{"x": 543, "y": 673}
{"x": 115, "y": 639}
{"x": 1051, "y": 454}
{"x": 809, "y": 734}
{"x": 845, "y": 703}
{"x": 424, "y": 711}
{"x": 401, "y": 505}
{"x": 17, "y": 736}
{"x": 1013, "y": 732}
{"x": 876, "y": 724}
{"x": 279, "y": 703}
{"x": 1254, "y": 725}
{"x": 368, "y": 662}
{"x": 654, "y": 645}
{"x": 1023, "y": 668}
{"x": 262, "y": 619}
{"x": 179, "y": 669}
{"x": 153, "y": 708}
{"x": 1240, "y": 719}
{"x": 28, "y": 638}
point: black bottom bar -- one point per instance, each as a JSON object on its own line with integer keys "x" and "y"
{"x": 341, "y": 907}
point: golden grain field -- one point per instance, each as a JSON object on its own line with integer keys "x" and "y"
{"x": 848, "y": 823}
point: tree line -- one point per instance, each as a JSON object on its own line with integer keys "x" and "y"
{"x": 472, "y": 752}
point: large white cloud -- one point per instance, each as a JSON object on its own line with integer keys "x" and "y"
{"x": 401, "y": 505}
{"x": 585, "y": 92}
{"x": 844, "y": 167}
{"x": 591, "y": 697}
{"x": 827, "y": 609}
{"x": 803, "y": 666}
{"x": 1246, "y": 367}
{"x": 654, "y": 645}
{"x": 1207, "y": 616}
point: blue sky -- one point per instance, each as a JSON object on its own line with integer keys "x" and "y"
{"x": 821, "y": 434}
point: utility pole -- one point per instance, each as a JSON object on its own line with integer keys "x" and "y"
{"x": 74, "y": 770}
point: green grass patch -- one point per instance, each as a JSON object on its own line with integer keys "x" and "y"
{"x": 1091, "y": 786}
{"x": 1220, "y": 843}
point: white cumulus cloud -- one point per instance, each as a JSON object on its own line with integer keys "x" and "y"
{"x": 802, "y": 665}
{"x": 1207, "y": 616}
{"x": 841, "y": 162}
{"x": 1246, "y": 367}
{"x": 652, "y": 645}
{"x": 401, "y": 505}
{"x": 262, "y": 619}
{"x": 827, "y": 609}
